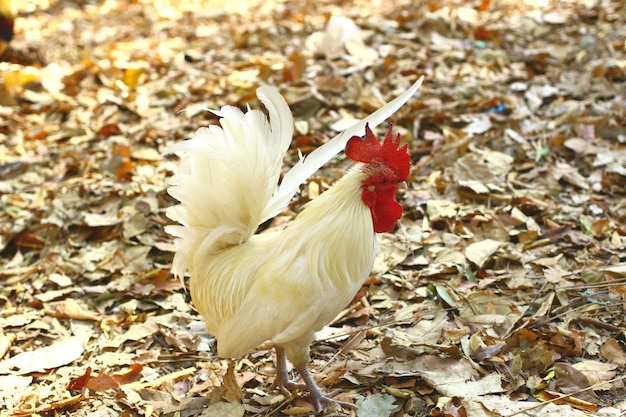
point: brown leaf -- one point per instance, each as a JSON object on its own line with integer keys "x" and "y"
{"x": 486, "y": 352}
{"x": 80, "y": 383}
{"x": 231, "y": 389}
{"x": 599, "y": 227}
{"x": 293, "y": 70}
{"x": 102, "y": 382}
{"x": 62, "y": 404}
{"x": 571, "y": 401}
{"x": 109, "y": 130}
{"x": 69, "y": 308}
{"x": 132, "y": 374}
{"x": 6, "y": 340}
{"x": 29, "y": 241}
{"x": 613, "y": 351}
{"x": 572, "y": 381}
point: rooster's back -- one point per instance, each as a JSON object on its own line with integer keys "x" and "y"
{"x": 226, "y": 179}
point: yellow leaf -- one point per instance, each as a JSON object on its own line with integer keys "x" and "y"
{"x": 296, "y": 411}
{"x": 131, "y": 77}
{"x": 19, "y": 78}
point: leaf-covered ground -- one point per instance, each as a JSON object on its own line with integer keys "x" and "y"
{"x": 501, "y": 293}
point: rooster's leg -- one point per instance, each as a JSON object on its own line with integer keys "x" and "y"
{"x": 318, "y": 399}
{"x": 282, "y": 381}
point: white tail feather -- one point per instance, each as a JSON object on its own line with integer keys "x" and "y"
{"x": 316, "y": 159}
{"x": 227, "y": 175}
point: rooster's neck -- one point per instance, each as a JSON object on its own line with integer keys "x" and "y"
{"x": 336, "y": 234}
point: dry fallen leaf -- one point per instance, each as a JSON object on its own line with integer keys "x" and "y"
{"x": 597, "y": 372}
{"x": 332, "y": 40}
{"x": 50, "y": 357}
{"x": 377, "y": 405}
{"x": 456, "y": 378}
{"x": 223, "y": 409}
{"x": 571, "y": 381}
{"x": 613, "y": 351}
{"x": 440, "y": 210}
{"x": 479, "y": 252}
{"x": 69, "y": 308}
{"x": 232, "y": 391}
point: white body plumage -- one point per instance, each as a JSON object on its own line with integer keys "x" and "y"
{"x": 284, "y": 286}
{"x": 280, "y": 286}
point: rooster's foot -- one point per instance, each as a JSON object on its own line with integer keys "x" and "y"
{"x": 318, "y": 399}
{"x": 282, "y": 381}
{"x": 321, "y": 401}
{"x": 285, "y": 386}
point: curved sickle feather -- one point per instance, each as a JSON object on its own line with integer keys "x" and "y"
{"x": 312, "y": 162}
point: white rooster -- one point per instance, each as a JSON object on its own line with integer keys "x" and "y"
{"x": 280, "y": 286}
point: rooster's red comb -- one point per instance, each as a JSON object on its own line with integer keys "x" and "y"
{"x": 369, "y": 150}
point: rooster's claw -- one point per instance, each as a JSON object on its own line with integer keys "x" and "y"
{"x": 326, "y": 401}
{"x": 285, "y": 386}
